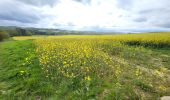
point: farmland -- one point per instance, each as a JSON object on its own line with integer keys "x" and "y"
{"x": 111, "y": 67}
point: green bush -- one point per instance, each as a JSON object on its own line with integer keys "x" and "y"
{"x": 3, "y": 35}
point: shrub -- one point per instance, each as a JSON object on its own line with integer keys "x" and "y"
{"x": 3, "y": 35}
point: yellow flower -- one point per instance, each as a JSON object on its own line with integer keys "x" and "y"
{"x": 64, "y": 62}
{"x": 163, "y": 88}
{"x": 87, "y": 78}
{"x": 87, "y": 69}
{"x": 158, "y": 73}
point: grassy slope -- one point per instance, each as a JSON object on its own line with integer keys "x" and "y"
{"x": 19, "y": 78}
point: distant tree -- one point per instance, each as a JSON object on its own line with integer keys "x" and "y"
{"x": 13, "y": 32}
{"x": 3, "y": 35}
{"x": 23, "y": 32}
{"x": 29, "y": 33}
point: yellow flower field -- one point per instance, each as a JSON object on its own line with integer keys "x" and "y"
{"x": 104, "y": 67}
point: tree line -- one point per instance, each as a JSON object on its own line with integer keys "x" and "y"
{"x": 6, "y": 33}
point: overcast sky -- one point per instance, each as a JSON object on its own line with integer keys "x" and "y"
{"x": 116, "y": 15}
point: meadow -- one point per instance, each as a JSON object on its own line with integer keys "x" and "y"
{"x": 86, "y": 67}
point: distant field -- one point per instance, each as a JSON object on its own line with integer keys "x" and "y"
{"x": 102, "y": 67}
{"x": 144, "y": 39}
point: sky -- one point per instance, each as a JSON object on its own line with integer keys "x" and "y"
{"x": 90, "y": 15}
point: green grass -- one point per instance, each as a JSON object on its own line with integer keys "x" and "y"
{"x": 18, "y": 78}
{"x": 21, "y": 76}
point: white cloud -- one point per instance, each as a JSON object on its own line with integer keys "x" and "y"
{"x": 81, "y": 14}
{"x": 98, "y": 13}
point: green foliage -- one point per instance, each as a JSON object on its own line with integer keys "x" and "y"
{"x": 16, "y": 32}
{"x": 148, "y": 44}
{"x": 23, "y": 32}
{"x": 3, "y": 35}
{"x": 12, "y": 32}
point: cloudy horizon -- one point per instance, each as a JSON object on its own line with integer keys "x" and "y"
{"x": 92, "y": 15}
